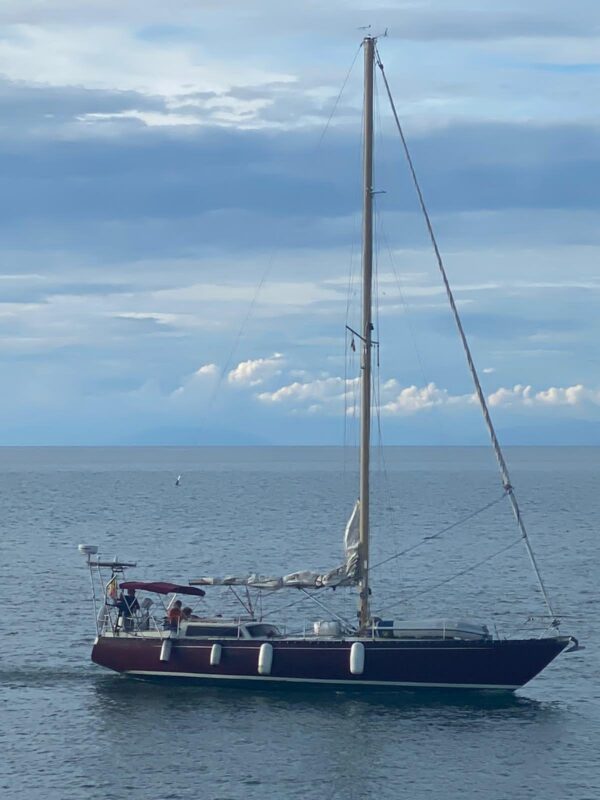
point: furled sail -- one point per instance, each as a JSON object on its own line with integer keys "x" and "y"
{"x": 344, "y": 575}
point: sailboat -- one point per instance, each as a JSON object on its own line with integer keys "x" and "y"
{"x": 372, "y": 653}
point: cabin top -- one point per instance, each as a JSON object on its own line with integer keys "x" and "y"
{"x": 227, "y": 629}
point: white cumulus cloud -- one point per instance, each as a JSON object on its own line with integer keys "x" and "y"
{"x": 520, "y": 395}
{"x": 202, "y": 377}
{"x": 323, "y": 390}
{"x": 327, "y": 394}
{"x": 256, "y": 371}
{"x": 417, "y": 398}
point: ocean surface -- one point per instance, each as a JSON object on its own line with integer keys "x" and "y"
{"x": 71, "y": 730}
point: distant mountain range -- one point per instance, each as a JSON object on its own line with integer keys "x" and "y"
{"x": 568, "y": 432}
{"x": 291, "y": 432}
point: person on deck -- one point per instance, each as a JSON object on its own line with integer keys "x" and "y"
{"x": 175, "y": 615}
{"x": 128, "y": 606}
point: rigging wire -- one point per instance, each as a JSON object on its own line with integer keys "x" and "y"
{"x": 271, "y": 611}
{"x": 377, "y": 383}
{"x": 346, "y": 360}
{"x": 265, "y": 275}
{"x": 407, "y": 316}
{"x": 464, "y": 571}
{"x": 441, "y": 532}
{"x": 328, "y": 610}
{"x": 236, "y": 341}
{"x": 383, "y": 465}
{"x": 349, "y": 390}
{"x": 289, "y": 605}
{"x": 478, "y": 390}
{"x": 377, "y": 294}
{"x": 351, "y": 274}
{"x": 339, "y": 97}
{"x": 352, "y": 385}
{"x": 376, "y": 377}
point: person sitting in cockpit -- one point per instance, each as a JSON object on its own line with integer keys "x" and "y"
{"x": 174, "y": 615}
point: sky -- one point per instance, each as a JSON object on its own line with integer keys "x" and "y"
{"x": 180, "y": 220}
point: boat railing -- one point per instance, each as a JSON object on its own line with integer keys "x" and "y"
{"x": 111, "y": 620}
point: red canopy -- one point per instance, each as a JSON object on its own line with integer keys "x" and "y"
{"x": 162, "y": 587}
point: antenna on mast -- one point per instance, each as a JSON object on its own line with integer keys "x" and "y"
{"x": 373, "y": 36}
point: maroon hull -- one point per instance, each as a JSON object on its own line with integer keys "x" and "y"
{"x": 506, "y": 664}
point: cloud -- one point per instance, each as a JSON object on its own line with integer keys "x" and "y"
{"x": 70, "y": 55}
{"x": 160, "y": 319}
{"x": 329, "y": 395}
{"x": 525, "y": 396}
{"x": 328, "y": 391}
{"x": 255, "y": 372}
{"x": 149, "y": 118}
{"x": 158, "y": 189}
{"x": 175, "y": 69}
{"x": 412, "y": 399}
{"x": 147, "y": 193}
{"x": 207, "y": 369}
{"x": 417, "y": 20}
{"x": 199, "y": 381}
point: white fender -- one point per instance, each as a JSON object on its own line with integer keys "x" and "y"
{"x": 357, "y": 658}
{"x": 165, "y": 650}
{"x": 215, "y": 655}
{"x": 265, "y": 659}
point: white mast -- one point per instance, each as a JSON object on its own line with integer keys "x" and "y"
{"x": 367, "y": 328}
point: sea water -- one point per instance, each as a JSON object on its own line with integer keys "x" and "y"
{"x": 72, "y": 730}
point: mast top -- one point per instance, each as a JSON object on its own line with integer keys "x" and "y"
{"x": 373, "y": 37}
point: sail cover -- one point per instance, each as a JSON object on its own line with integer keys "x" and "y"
{"x": 344, "y": 575}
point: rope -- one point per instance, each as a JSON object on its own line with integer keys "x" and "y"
{"x": 457, "y": 574}
{"x": 309, "y": 596}
{"x": 339, "y": 97}
{"x": 329, "y": 610}
{"x": 377, "y": 383}
{"x": 407, "y": 317}
{"x": 287, "y": 605}
{"x": 236, "y": 342}
{"x": 440, "y": 533}
{"x": 478, "y": 390}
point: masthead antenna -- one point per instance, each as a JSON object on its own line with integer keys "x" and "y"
{"x": 376, "y": 36}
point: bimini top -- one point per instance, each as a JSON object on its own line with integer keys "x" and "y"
{"x": 162, "y": 587}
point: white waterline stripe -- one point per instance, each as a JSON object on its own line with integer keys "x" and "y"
{"x": 332, "y": 681}
{"x": 329, "y": 649}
